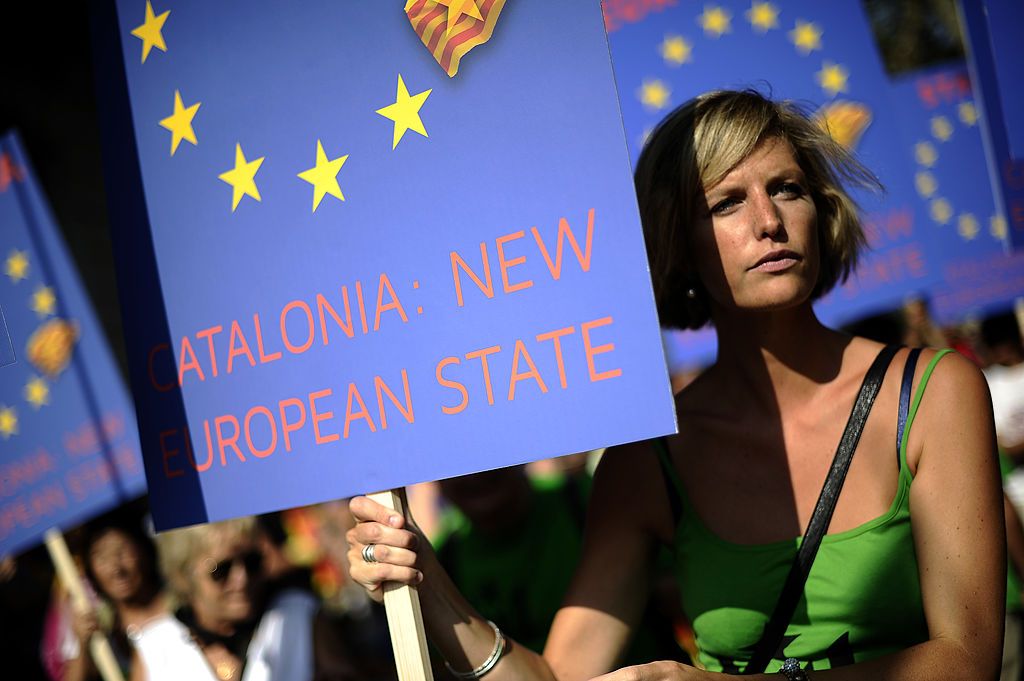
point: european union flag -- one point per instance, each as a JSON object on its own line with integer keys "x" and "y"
{"x": 821, "y": 55}
{"x": 68, "y": 444}
{"x": 381, "y": 243}
{"x": 941, "y": 123}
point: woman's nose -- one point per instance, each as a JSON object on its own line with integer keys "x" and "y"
{"x": 767, "y": 220}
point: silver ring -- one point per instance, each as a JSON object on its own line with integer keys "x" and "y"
{"x": 368, "y": 553}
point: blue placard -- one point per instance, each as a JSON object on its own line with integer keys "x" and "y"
{"x": 68, "y": 444}
{"x": 943, "y": 138}
{"x": 353, "y": 271}
{"x": 821, "y": 55}
{"x": 996, "y": 59}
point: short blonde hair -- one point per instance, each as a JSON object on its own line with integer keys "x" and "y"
{"x": 695, "y": 147}
{"x": 179, "y": 549}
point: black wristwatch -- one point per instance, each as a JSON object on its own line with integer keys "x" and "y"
{"x": 791, "y": 669}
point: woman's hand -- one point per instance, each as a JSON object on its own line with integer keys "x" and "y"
{"x": 84, "y": 625}
{"x": 664, "y": 670}
{"x": 394, "y": 542}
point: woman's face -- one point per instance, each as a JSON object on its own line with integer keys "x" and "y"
{"x": 756, "y": 233}
{"x": 226, "y": 578}
{"x": 117, "y": 564}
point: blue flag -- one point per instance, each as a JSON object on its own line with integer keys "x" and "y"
{"x": 68, "y": 443}
{"x": 822, "y": 56}
{"x": 379, "y": 244}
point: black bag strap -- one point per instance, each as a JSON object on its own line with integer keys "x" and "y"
{"x": 905, "y": 388}
{"x": 767, "y": 646}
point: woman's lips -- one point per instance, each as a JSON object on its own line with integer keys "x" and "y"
{"x": 777, "y": 261}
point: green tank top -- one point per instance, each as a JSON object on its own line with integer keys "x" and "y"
{"x": 862, "y": 598}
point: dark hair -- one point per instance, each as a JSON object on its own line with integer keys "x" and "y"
{"x": 131, "y": 528}
{"x": 695, "y": 147}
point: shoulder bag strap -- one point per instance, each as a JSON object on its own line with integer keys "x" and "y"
{"x": 767, "y": 646}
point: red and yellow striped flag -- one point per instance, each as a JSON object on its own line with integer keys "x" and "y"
{"x": 451, "y": 28}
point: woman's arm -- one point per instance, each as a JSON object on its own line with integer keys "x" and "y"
{"x": 957, "y": 520}
{"x": 605, "y": 598}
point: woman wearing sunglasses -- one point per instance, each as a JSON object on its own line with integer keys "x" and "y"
{"x": 225, "y": 629}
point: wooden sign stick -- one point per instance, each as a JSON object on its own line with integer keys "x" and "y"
{"x": 99, "y": 646}
{"x": 405, "y": 619}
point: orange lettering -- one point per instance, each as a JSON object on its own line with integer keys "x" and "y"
{"x": 317, "y": 417}
{"x": 297, "y": 349}
{"x": 591, "y": 350}
{"x": 393, "y": 305}
{"x": 169, "y": 454}
{"x": 243, "y": 349}
{"x": 223, "y": 442}
{"x": 159, "y": 387}
{"x": 564, "y": 231}
{"x": 482, "y": 354}
{"x": 458, "y": 262}
{"x": 261, "y": 453}
{"x": 208, "y": 334}
{"x": 381, "y": 387}
{"x": 363, "y": 413}
{"x": 520, "y": 350}
{"x": 505, "y": 265}
{"x": 556, "y": 338}
{"x": 193, "y": 363}
{"x": 289, "y": 428}
{"x": 451, "y": 384}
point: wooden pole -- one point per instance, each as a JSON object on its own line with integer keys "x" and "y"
{"x": 99, "y": 646}
{"x": 405, "y": 619}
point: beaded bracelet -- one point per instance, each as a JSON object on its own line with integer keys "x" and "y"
{"x": 488, "y": 664}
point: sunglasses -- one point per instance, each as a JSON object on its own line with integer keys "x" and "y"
{"x": 251, "y": 561}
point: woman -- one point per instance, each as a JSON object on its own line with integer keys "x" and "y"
{"x": 746, "y": 224}
{"x": 120, "y": 563}
{"x": 222, "y": 631}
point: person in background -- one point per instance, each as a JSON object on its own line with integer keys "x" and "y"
{"x": 227, "y": 629}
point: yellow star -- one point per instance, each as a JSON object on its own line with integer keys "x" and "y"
{"x": 926, "y": 183}
{"x": 926, "y": 154}
{"x": 457, "y": 8}
{"x": 715, "y": 21}
{"x": 180, "y": 122}
{"x": 654, "y": 94}
{"x": 8, "y": 421}
{"x": 242, "y": 177}
{"x": 763, "y": 16}
{"x": 37, "y": 392}
{"x": 675, "y": 50}
{"x": 967, "y": 226}
{"x": 806, "y": 36}
{"x": 942, "y": 129}
{"x": 405, "y": 112}
{"x": 149, "y": 32}
{"x": 968, "y": 113}
{"x": 997, "y": 226}
{"x": 941, "y": 211}
{"x": 17, "y": 266}
{"x": 324, "y": 176}
{"x": 43, "y": 301}
{"x": 832, "y": 78}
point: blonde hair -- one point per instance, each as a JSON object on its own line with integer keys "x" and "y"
{"x": 695, "y": 147}
{"x": 179, "y": 549}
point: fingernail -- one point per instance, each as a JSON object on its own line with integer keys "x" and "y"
{"x": 419, "y": 577}
{"x": 394, "y": 521}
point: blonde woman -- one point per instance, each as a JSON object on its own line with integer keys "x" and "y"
{"x": 747, "y": 223}
{"x": 224, "y": 629}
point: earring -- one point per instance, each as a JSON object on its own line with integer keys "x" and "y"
{"x": 691, "y": 293}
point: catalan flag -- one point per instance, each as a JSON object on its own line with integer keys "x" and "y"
{"x": 451, "y": 28}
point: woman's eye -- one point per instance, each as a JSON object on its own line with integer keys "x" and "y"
{"x": 723, "y": 206}
{"x": 790, "y": 189}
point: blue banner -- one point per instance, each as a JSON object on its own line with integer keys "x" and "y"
{"x": 996, "y": 58}
{"x": 68, "y": 443}
{"x": 942, "y": 134}
{"x": 819, "y": 54}
{"x": 377, "y": 246}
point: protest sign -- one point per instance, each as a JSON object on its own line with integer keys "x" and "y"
{"x": 996, "y": 55}
{"x": 368, "y": 256}
{"x": 942, "y": 135}
{"x": 68, "y": 444}
{"x": 821, "y": 55}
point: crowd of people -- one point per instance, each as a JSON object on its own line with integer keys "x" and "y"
{"x": 753, "y": 541}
